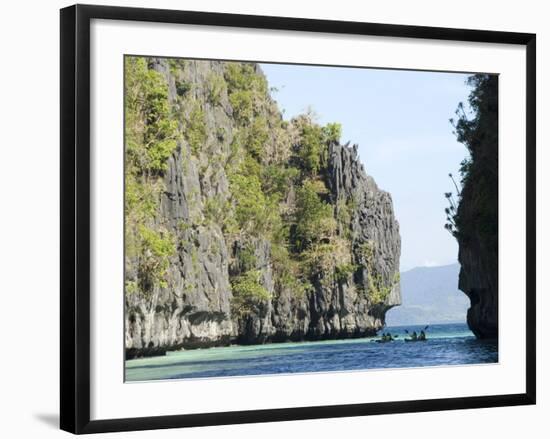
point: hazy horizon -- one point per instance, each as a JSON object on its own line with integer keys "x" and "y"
{"x": 429, "y": 266}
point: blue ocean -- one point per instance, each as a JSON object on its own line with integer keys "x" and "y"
{"x": 449, "y": 344}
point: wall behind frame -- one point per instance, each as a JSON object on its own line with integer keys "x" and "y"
{"x": 30, "y": 214}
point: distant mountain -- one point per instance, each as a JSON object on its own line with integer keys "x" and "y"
{"x": 430, "y": 295}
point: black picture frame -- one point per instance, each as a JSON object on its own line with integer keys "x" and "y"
{"x": 75, "y": 217}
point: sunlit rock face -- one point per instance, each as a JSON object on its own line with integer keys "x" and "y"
{"x": 346, "y": 297}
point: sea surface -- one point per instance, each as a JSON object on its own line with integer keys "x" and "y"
{"x": 449, "y": 344}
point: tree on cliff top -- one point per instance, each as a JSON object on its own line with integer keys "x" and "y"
{"x": 479, "y": 171}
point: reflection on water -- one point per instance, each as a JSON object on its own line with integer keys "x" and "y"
{"x": 446, "y": 345}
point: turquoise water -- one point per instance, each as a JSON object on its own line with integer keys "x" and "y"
{"x": 450, "y": 344}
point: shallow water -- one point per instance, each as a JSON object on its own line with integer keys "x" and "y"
{"x": 450, "y": 344}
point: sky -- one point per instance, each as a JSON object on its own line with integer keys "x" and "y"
{"x": 400, "y": 120}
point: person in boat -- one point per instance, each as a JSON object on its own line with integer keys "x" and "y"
{"x": 414, "y": 336}
{"x": 422, "y": 335}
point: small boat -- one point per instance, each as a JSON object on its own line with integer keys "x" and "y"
{"x": 415, "y": 337}
{"x": 386, "y": 338}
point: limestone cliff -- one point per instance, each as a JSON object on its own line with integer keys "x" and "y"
{"x": 477, "y": 213}
{"x": 228, "y": 271}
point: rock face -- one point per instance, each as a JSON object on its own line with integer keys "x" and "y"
{"x": 373, "y": 226}
{"x": 477, "y": 213}
{"x": 194, "y": 307}
{"x": 481, "y": 288}
{"x": 478, "y": 276}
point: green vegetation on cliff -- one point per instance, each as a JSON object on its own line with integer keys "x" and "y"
{"x": 479, "y": 171}
{"x": 273, "y": 193}
{"x": 151, "y": 135}
{"x": 473, "y": 218}
{"x": 264, "y": 177}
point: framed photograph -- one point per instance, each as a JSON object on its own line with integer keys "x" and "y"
{"x": 274, "y": 218}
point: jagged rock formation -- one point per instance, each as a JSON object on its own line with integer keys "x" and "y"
{"x": 478, "y": 278}
{"x": 477, "y": 213}
{"x": 224, "y": 285}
